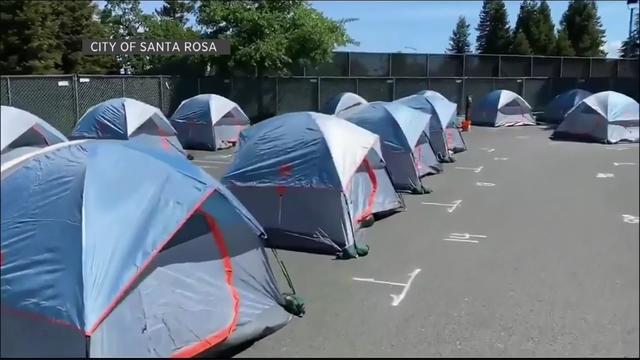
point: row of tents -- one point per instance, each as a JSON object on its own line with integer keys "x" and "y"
{"x": 107, "y": 236}
{"x": 114, "y": 244}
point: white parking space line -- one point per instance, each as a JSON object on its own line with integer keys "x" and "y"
{"x": 605, "y": 175}
{"x": 623, "y": 163}
{"x": 476, "y": 170}
{"x": 617, "y": 148}
{"x": 485, "y": 184}
{"x": 501, "y": 158}
{"x": 488, "y": 150}
{"x": 466, "y": 237}
{"x": 630, "y": 219}
{"x": 451, "y": 207}
{"x": 396, "y": 298}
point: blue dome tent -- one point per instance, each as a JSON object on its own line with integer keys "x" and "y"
{"x": 558, "y": 107}
{"x": 607, "y": 117}
{"x": 125, "y": 119}
{"x": 313, "y": 181}
{"x": 208, "y": 122}
{"x": 142, "y": 257}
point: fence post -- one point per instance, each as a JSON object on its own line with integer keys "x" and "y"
{"x": 122, "y": 82}
{"x": 161, "y": 93}
{"x": 390, "y": 64}
{"x": 318, "y": 95}
{"x": 9, "y": 90}
{"x": 590, "y": 65}
{"x": 349, "y": 65}
{"x": 499, "y": 68}
{"x": 74, "y": 78}
{"x": 531, "y": 66}
{"x": 561, "y": 66}
{"x": 426, "y": 66}
{"x": 277, "y": 95}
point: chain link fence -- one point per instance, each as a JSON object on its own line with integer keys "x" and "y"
{"x": 62, "y": 99}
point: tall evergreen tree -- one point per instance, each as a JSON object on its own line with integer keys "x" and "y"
{"x": 527, "y": 23}
{"x": 520, "y": 45}
{"x": 177, "y": 10}
{"x": 545, "y": 29}
{"x": 631, "y": 46}
{"x": 78, "y": 21}
{"x": 493, "y": 28}
{"x": 563, "y": 46}
{"x": 584, "y": 28}
{"x": 459, "y": 39}
{"x": 28, "y": 43}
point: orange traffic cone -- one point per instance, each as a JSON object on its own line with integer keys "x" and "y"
{"x": 466, "y": 125}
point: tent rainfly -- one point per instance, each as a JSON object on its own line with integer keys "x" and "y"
{"x": 608, "y": 117}
{"x": 142, "y": 257}
{"x": 314, "y": 181}
{"x": 208, "y": 122}
{"x": 22, "y": 132}
{"x": 405, "y": 144}
{"x": 341, "y": 102}
{"x": 502, "y": 108}
{"x": 448, "y": 110}
{"x": 558, "y": 107}
{"x": 125, "y": 119}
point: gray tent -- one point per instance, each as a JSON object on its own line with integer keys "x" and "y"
{"x": 562, "y": 103}
{"x": 313, "y": 181}
{"x": 342, "y": 101}
{"x": 405, "y": 144}
{"x": 208, "y": 122}
{"x": 22, "y": 132}
{"x": 447, "y": 112}
{"x": 117, "y": 249}
{"x": 607, "y": 117}
{"x": 127, "y": 119}
{"x": 502, "y": 108}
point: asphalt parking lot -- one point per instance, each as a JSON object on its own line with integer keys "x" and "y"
{"x": 526, "y": 247}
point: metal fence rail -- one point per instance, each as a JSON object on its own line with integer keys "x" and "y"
{"x": 62, "y": 99}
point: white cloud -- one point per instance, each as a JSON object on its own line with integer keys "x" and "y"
{"x": 612, "y": 47}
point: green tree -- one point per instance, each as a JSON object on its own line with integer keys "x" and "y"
{"x": 631, "y": 46}
{"x": 563, "y": 46}
{"x": 177, "y": 10}
{"x": 162, "y": 28}
{"x": 28, "y": 43}
{"x": 493, "y": 28}
{"x": 459, "y": 39}
{"x": 78, "y": 21}
{"x": 527, "y": 23}
{"x": 545, "y": 29}
{"x": 124, "y": 19}
{"x": 584, "y": 28}
{"x": 520, "y": 45}
{"x": 272, "y": 35}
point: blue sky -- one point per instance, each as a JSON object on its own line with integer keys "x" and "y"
{"x": 390, "y": 26}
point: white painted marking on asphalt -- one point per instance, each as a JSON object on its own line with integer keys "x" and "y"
{"x": 477, "y": 170}
{"x": 461, "y": 240}
{"x": 500, "y": 158}
{"x": 465, "y": 236}
{"x": 396, "y": 298}
{"x": 451, "y": 206}
{"x": 623, "y": 163}
{"x": 485, "y": 184}
{"x": 208, "y": 166}
{"x": 617, "y": 148}
{"x": 488, "y": 150}
{"x": 379, "y": 282}
{"x": 605, "y": 175}
{"x": 630, "y": 219}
